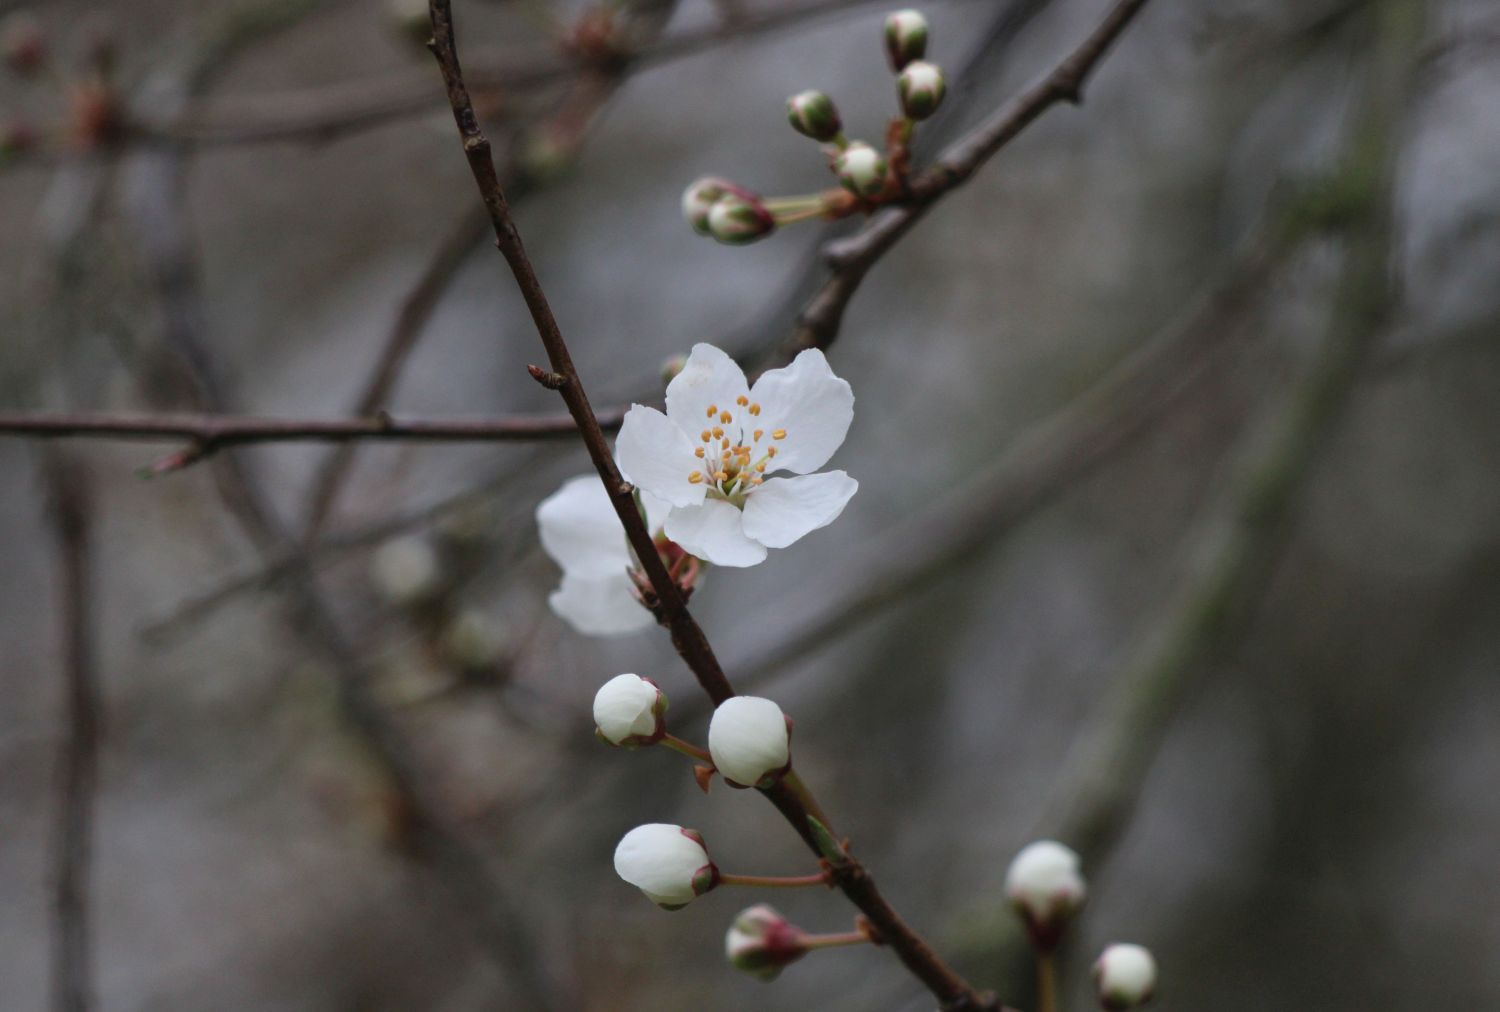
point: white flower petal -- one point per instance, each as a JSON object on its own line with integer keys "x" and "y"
{"x": 813, "y": 405}
{"x": 656, "y": 511}
{"x": 1125, "y": 975}
{"x": 580, "y": 530}
{"x": 626, "y": 707}
{"x": 784, "y": 509}
{"x": 714, "y": 532}
{"x": 748, "y": 738}
{"x": 599, "y": 605}
{"x": 709, "y": 379}
{"x": 1044, "y": 880}
{"x": 660, "y": 861}
{"x": 657, "y": 457}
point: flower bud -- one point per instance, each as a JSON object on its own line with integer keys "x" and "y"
{"x": 405, "y": 570}
{"x": 1124, "y": 976}
{"x": 630, "y": 711}
{"x": 23, "y": 46}
{"x": 750, "y": 740}
{"x": 861, "y": 169}
{"x": 814, "y": 115}
{"x": 905, "y": 38}
{"x": 699, "y": 198}
{"x": 736, "y": 220}
{"x": 761, "y": 942}
{"x": 1044, "y": 885}
{"x": 921, "y": 88}
{"x": 667, "y": 863}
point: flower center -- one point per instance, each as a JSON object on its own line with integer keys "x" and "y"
{"x": 734, "y": 454}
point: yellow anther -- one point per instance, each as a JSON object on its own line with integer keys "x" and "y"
{"x": 718, "y": 432}
{"x": 742, "y": 400}
{"x": 779, "y": 434}
{"x": 759, "y": 433}
{"x": 713, "y": 409}
{"x": 698, "y": 452}
{"x": 725, "y": 417}
{"x": 724, "y": 444}
{"x": 755, "y": 409}
{"x": 706, "y": 436}
{"x": 761, "y": 467}
{"x": 770, "y": 451}
{"x": 721, "y": 476}
{"x": 695, "y": 478}
{"x": 756, "y": 480}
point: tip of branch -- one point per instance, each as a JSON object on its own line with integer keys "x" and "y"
{"x": 550, "y": 380}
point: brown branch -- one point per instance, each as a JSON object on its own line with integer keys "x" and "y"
{"x": 78, "y": 763}
{"x": 818, "y": 324}
{"x": 687, "y": 636}
{"x": 208, "y": 433}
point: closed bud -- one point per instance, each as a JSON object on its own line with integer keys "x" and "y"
{"x": 750, "y": 740}
{"x": 905, "y": 38}
{"x": 814, "y": 115}
{"x": 667, "y": 863}
{"x": 736, "y": 220}
{"x": 761, "y": 942}
{"x": 1124, "y": 977}
{"x": 23, "y": 46}
{"x": 1044, "y": 885}
{"x": 630, "y": 711}
{"x": 921, "y": 88}
{"x": 699, "y": 198}
{"x": 405, "y": 570}
{"x": 861, "y": 169}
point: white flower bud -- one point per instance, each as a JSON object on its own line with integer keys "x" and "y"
{"x": 814, "y": 115}
{"x": 630, "y": 710}
{"x": 405, "y": 569}
{"x": 667, "y": 863}
{"x": 750, "y": 740}
{"x": 761, "y": 942}
{"x": 1044, "y": 885}
{"x": 736, "y": 220}
{"x": 905, "y": 38}
{"x": 699, "y": 197}
{"x": 921, "y": 89}
{"x": 861, "y": 169}
{"x": 1124, "y": 976}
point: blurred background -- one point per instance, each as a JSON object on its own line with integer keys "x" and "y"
{"x": 1178, "y": 535}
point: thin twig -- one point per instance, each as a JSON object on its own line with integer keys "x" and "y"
{"x": 78, "y": 763}
{"x": 687, "y": 636}
{"x": 851, "y": 259}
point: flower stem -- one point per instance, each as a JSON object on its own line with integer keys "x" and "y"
{"x": 774, "y": 881}
{"x": 688, "y": 749}
{"x": 783, "y": 205}
{"x": 831, "y": 941}
{"x": 1046, "y": 983}
{"x": 789, "y": 217}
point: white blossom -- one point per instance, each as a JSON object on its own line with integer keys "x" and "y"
{"x": 710, "y": 457}
{"x": 667, "y": 863}
{"x": 749, "y": 740}
{"x": 1124, "y": 976}
{"x": 1044, "y": 884}
{"x": 582, "y": 534}
{"x": 629, "y": 710}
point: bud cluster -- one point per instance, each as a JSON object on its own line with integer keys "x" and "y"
{"x": 867, "y": 175}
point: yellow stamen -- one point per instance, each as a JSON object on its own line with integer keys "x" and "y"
{"x": 755, "y": 409}
{"x": 718, "y": 432}
{"x": 756, "y": 480}
{"x": 706, "y": 435}
{"x": 713, "y": 409}
{"x": 759, "y": 433}
{"x": 724, "y": 444}
{"x": 725, "y": 417}
{"x": 721, "y": 476}
{"x": 770, "y": 451}
{"x": 779, "y": 434}
{"x": 698, "y": 452}
{"x": 742, "y": 400}
{"x": 695, "y": 478}
{"x": 761, "y": 466}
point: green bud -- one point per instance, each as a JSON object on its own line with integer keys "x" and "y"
{"x": 921, "y": 88}
{"x": 905, "y": 38}
{"x": 736, "y": 220}
{"x": 814, "y": 115}
{"x": 861, "y": 169}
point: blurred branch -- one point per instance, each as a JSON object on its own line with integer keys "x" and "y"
{"x": 851, "y": 259}
{"x": 1236, "y": 554}
{"x": 211, "y": 432}
{"x": 68, "y": 512}
{"x": 848, "y": 875}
